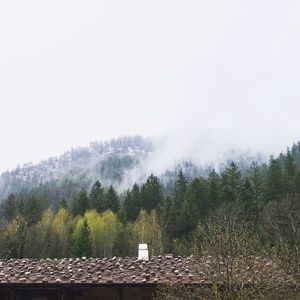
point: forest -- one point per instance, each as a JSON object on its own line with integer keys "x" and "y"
{"x": 262, "y": 203}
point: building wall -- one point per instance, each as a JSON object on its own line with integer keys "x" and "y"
{"x": 100, "y": 293}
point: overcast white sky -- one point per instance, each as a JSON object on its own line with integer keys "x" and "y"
{"x": 72, "y": 72}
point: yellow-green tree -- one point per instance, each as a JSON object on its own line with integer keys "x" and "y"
{"x": 146, "y": 229}
{"x": 43, "y": 234}
{"x": 105, "y": 229}
{"x": 17, "y": 237}
{"x": 96, "y": 223}
{"x": 111, "y": 229}
{"x": 61, "y": 229}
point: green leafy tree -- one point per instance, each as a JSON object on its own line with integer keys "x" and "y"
{"x": 146, "y": 229}
{"x": 43, "y": 245}
{"x": 17, "y": 238}
{"x": 61, "y": 234}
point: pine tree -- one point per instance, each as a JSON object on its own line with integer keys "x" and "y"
{"x": 214, "y": 189}
{"x": 256, "y": 179}
{"x": 81, "y": 203}
{"x": 151, "y": 193}
{"x": 132, "y": 203}
{"x": 232, "y": 184}
{"x": 63, "y": 204}
{"x": 82, "y": 240}
{"x": 165, "y": 214}
{"x": 97, "y": 198}
{"x": 195, "y": 206}
{"x": 9, "y": 208}
{"x": 112, "y": 200}
{"x": 297, "y": 183}
{"x": 252, "y": 194}
{"x": 289, "y": 173}
{"x": 248, "y": 206}
{"x": 274, "y": 181}
{"x": 180, "y": 189}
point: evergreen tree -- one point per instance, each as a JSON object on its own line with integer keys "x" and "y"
{"x": 289, "y": 173}
{"x": 195, "y": 207}
{"x": 232, "y": 184}
{"x": 81, "y": 203}
{"x": 151, "y": 193}
{"x": 132, "y": 203}
{"x": 297, "y": 183}
{"x": 252, "y": 194}
{"x": 274, "y": 181}
{"x": 63, "y": 204}
{"x": 97, "y": 197}
{"x": 256, "y": 179}
{"x": 214, "y": 189}
{"x": 9, "y": 208}
{"x": 180, "y": 189}
{"x": 248, "y": 204}
{"x": 112, "y": 200}
{"x": 82, "y": 240}
{"x": 165, "y": 215}
{"x": 33, "y": 208}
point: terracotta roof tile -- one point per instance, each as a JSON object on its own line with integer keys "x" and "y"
{"x": 127, "y": 270}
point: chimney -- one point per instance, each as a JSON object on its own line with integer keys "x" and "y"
{"x": 143, "y": 252}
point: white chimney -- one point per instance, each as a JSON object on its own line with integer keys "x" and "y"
{"x": 143, "y": 252}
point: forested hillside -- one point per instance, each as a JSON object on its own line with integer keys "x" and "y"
{"x": 265, "y": 199}
{"x": 120, "y": 162}
{"x": 78, "y": 167}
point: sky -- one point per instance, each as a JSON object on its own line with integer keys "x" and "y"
{"x": 73, "y": 72}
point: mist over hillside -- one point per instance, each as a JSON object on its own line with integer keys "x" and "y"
{"x": 120, "y": 162}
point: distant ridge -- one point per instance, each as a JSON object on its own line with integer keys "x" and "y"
{"x": 106, "y": 161}
{"x": 120, "y": 162}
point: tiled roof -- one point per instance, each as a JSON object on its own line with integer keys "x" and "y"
{"x": 106, "y": 271}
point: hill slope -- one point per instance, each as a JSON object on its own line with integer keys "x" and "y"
{"x": 120, "y": 162}
{"x": 106, "y": 161}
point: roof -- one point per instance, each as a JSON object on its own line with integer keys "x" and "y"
{"x": 104, "y": 272}
{"x": 97, "y": 271}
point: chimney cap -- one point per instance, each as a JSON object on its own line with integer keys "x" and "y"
{"x": 143, "y": 246}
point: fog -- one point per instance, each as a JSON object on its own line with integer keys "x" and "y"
{"x": 202, "y": 77}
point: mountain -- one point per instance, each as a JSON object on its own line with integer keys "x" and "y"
{"x": 121, "y": 162}
{"x": 106, "y": 161}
